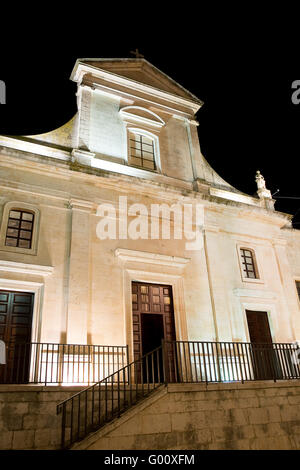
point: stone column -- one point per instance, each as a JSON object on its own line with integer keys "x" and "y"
{"x": 79, "y": 278}
{"x": 291, "y": 313}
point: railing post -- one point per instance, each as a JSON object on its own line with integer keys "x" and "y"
{"x": 62, "y": 408}
{"x": 164, "y": 358}
{"x": 127, "y": 362}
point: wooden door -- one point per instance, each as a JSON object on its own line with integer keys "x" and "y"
{"x": 153, "y": 319}
{"x": 15, "y": 330}
{"x": 263, "y": 354}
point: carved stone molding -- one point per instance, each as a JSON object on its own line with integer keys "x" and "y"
{"x": 24, "y": 268}
{"x": 151, "y": 258}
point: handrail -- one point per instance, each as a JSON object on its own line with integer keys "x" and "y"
{"x": 96, "y": 405}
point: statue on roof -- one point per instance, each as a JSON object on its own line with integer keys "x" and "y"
{"x": 260, "y": 181}
{"x": 262, "y": 191}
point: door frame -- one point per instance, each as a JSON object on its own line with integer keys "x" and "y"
{"x": 175, "y": 281}
{"x": 267, "y": 308}
{"x": 35, "y": 288}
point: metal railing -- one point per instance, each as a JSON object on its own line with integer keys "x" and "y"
{"x": 52, "y": 363}
{"x": 211, "y": 362}
{"x": 173, "y": 362}
{"x": 100, "y": 403}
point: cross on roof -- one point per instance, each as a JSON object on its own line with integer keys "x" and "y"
{"x": 137, "y": 54}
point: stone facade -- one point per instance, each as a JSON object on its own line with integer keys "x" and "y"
{"x": 82, "y": 285}
{"x": 253, "y": 416}
{"x": 28, "y": 418}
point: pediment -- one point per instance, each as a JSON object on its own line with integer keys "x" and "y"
{"x": 141, "y": 71}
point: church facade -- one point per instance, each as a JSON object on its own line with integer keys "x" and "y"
{"x": 115, "y": 230}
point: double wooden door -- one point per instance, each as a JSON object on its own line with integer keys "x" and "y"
{"x": 264, "y": 357}
{"x": 16, "y": 310}
{"x": 153, "y": 321}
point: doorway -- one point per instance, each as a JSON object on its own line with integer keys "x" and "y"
{"x": 153, "y": 321}
{"x": 152, "y": 327}
{"x": 264, "y": 359}
{"x": 16, "y": 309}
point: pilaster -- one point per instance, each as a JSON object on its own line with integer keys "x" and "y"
{"x": 79, "y": 276}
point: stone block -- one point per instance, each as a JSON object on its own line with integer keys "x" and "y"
{"x": 237, "y": 417}
{"x": 159, "y": 423}
{"x": 6, "y": 440}
{"x": 23, "y": 440}
{"x": 290, "y": 413}
{"x": 258, "y": 416}
{"x": 271, "y": 443}
{"x": 274, "y": 414}
{"x": 233, "y": 433}
{"x": 243, "y": 444}
{"x": 43, "y": 408}
{"x": 293, "y": 399}
{"x": 47, "y": 439}
{"x": 269, "y": 430}
{"x": 40, "y": 421}
{"x": 216, "y": 418}
{"x": 131, "y": 427}
{"x": 188, "y": 421}
{"x": 250, "y": 402}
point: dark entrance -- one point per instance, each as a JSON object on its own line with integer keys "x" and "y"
{"x": 15, "y": 330}
{"x": 152, "y": 336}
{"x": 153, "y": 320}
{"x": 264, "y": 358}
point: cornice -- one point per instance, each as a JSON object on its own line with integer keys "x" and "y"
{"x": 151, "y": 258}
{"x": 146, "y": 183}
{"x": 24, "y": 268}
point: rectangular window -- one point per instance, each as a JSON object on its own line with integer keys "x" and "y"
{"x": 142, "y": 151}
{"x": 248, "y": 264}
{"x": 19, "y": 229}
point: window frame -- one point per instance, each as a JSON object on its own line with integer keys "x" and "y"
{"x": 156, "y": 153}
{"x": 245, "y": 264}
{"x": 257, "y": 267}
{"x": 24, "y": 207}
{"x": 21, "y": 220}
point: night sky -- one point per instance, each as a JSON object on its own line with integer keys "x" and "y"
{"x": 248, "y": 121}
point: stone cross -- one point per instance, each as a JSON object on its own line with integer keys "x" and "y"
{"x": 137, "y": 54}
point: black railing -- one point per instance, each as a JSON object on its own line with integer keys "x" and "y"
{"x": 51, "y": 363}
{"x": 210, "y": 362}
{"x": 99, "y": 404}
{"x": 173, "y": 362}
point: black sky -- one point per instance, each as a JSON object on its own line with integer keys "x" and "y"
{"x": 248, "y": 121}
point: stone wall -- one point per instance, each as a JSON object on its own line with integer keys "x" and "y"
{"x": 254, "y": 416}
{"x": 28, "y": 418}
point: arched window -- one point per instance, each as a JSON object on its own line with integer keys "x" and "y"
{"x": 143, "y": 150}
{"x": 248, "y": 262}
{"x": 19, "y": 228}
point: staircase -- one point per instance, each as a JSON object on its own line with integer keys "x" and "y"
{"x": 97, "y": 405}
